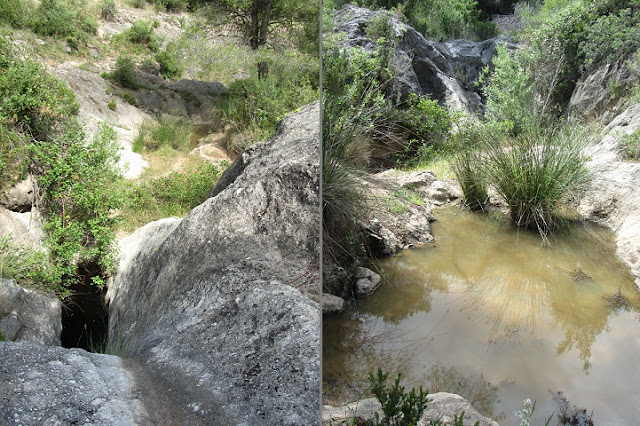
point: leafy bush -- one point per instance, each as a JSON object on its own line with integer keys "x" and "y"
{"x": 124, "y": 74}
{"x": 12, "y": 12}
{"x": 30, "y": 268}
{"x": 172, "y": 132}
{"x": 399, "y": 408}
{"x": 59, "y": 19}
{"x": 112, "y": 105}
{"x": 170, "y": 65}
{"x": 631, "y": 145}
{"x": 31, "y": 99}
{"x": 108, "y": 10}
{"x": 129, "y": 98}
{"x": 141, "y": 32}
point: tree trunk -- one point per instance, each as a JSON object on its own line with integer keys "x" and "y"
{"x": 266, "y": 17}
{"x": 254, "y": 35}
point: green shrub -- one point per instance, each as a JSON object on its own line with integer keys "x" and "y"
{"x": 112, "y": 105}
{"x": 108, "y": 10}
{"x": 630, "y": 145}
{"x": 170, "y": 65}
{"x": 12, "y": 12}
{"x": 124, "y": 74}
{"x": 469, "y": 176}
{"x": 59, "y": 19}
{"x": 129, "y": 98}
{"x": 398, "y": 407}
{"x": 31, "y": 99}
{"x": 535, "y": 173}
{"x": 30, "y": 268}
{"x": 141, "y": 32}
{"x": 172, "y": 132}
{"x": 173, "y": 195}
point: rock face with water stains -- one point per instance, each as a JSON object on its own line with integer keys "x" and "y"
{"x": 445, "y": 71}
{"x": 443, "y": 406}
{"x": 614, "y": 198}
{"x": 29, "y": 316}
{"x": 220, "y": 304}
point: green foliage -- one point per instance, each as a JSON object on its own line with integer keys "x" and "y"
{"x": 62, "y": 20}
{"x": 630, "y": 145}
{"x": 77, "y": 184}
{"x": 141, "y": 32}
{"x": 30, "y": 268}
{"x": 399, "y": 408}
{"x": 170, "y": 64}
{"x": 124, "y": 74}
{"x": 12, "y": 12}
{"x": 380, "y": 27}
{"x": 534, "y": 173}
{"x": 259, "y": 20}
{"x": 2, "y": 338}
{"x": 31, "y": 100}
{"x": 172, "y": 132}
{"x": 256, "y": 105}
{"x": 108, "y": 10}
{"x": 112, "y": 105}
{"x": 172, "y": 195}
{"x": 129, "y": 98}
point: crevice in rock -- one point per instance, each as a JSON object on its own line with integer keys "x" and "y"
{"x": 85, "y": 315}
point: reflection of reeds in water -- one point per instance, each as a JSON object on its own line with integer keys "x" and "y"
{"x": 508, "y": 304}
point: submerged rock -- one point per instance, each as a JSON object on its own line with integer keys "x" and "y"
{"x": 331, "y": 304}
{"x": 29, "y": 316}
{"x": 366, "y": 282}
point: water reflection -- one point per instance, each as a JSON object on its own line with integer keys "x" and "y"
{"x": 491, "y": 301}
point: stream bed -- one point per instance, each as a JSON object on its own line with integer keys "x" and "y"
{"x": 491, "y": 313}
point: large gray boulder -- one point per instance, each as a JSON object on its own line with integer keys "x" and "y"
{"x": 445, "y": 71}
{"x": 29, "y": 316}
{"x": 442, "y": 407}
{"x": 614, "y": 197}
{"x": 218, "y": 307}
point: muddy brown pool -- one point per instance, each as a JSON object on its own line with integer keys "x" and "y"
{"x": 491, "y": 313}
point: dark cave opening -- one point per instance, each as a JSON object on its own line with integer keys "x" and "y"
{"x": 85, "y": 315}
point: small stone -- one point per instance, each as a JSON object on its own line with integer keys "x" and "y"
{"x": 366, "y": 283}
{"x": 331, "y": 304}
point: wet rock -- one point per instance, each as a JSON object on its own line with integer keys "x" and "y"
{"x": 52, "y": 385}
{"x": 220, "y": 304}
{"x": 614, "y": 197}
{"x": 29, "y": 316}
{"x": 366, "y": 282}
{"x": 19, "y": 197}
{"x": 598, "y": 94}
{"x": 443, "y": 406}
{"x": 445, "y": 71}
{"x": 331, "y": 304}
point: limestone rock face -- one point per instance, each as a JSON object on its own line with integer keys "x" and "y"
{"x": 23, "y": 229}
{"x": 445, "y": 71}
{"x": 443, "y": 406}
{"x": 614, "y": 197}
{"x": 29, "y": 316}
{"x": 593, "y": 97}
{"x": 19, "y": 197}
{"x": 52, "y": 385}
{"x": 399, "y": 214}
{"x": 221, "y": 303}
